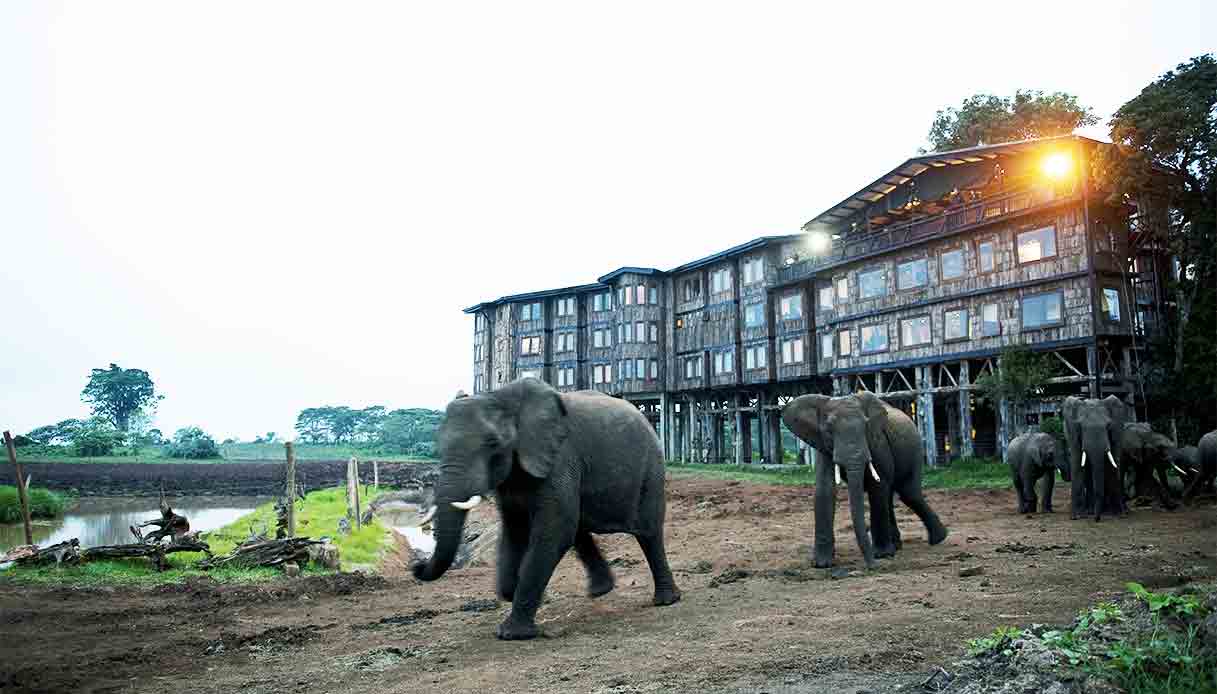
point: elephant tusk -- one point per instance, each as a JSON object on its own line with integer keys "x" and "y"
{"x": 1113, "y": 460}
{"x": 874, "y": 473}
{"x": 468, "y": 505}
{"x": 1179, "y": 470}
{"x": 1083, "y": 458}
{"x": 426, "y": 518}
{"x": 836, "y": 471}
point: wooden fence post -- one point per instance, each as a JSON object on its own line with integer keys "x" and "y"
{"x": 353, "y": 489}
{"x": 291, "y": 488}
{"x": 376, "y": 474}
{"x": 21, "y": 497}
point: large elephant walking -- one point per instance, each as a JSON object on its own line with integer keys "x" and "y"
{"x": 878, "y": 450}
{"x": 562, "y": 467}
{"x": 1093, "y": 435}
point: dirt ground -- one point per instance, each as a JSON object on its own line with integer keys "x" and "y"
{"x": 755, "y": 616}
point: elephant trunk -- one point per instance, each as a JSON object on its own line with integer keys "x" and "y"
{"x": 449, "y": 524}
{"x": 1097, "y": 452}
{"x": 857, "y": 510}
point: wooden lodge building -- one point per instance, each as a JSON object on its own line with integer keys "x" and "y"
{"x": 909, "y": 288}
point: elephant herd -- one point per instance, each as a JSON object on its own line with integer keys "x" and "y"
{"x": 1103, "y": 454}
{"x": 563, "y": 466}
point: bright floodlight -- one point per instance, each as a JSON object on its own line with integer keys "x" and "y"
{"x": 818, "y": 242}
{"x": 1056, "y": 165}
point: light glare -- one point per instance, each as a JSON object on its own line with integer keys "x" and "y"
{"x": 818, "y": 242}
{"x": 1056, "y": 165}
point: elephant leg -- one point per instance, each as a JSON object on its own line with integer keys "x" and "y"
{"x": 1029, "y": 499}
{"x": 1018, "y": 489}
{"x": 891, "y": 518}
{"x": 1049, "y": 484}
{"x": 912, "y": 497}
{"x": 1077, "y": 495}
{"x": 1164, "y": 493}
{"x": 879, "y": 497}
{"x": 826, "y": 502}
{"x": 666, "y": 592}
{"x": 513, "y": 543}
{"x": 599, "y": 575}
{"x": 857, "y": 513}
{"x": 545, "y": 550}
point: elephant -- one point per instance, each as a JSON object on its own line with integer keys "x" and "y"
{"x": 879, "y": 451}
{"x": 1146, "y": 453}
{"x": 561, "y": 467}
{"x": 1207, "y": 464}
{"x": 1093, "y": 435}
{"x": 1031, "y": 456}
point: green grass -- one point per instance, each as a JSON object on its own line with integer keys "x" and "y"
{"x": 232, "y": 452}
{"x": 318, "y": 516}
{"x": 44, "y": 503}
{"x": 970, "y": 473}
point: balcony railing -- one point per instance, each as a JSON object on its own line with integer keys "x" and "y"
{"x": 953, "y": 219}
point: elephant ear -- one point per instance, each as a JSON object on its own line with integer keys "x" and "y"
{"x": 541, "y": 426}
{"x": 1119, "y": 414}
{"x": 875, "y": 412}
{"x": 1069, "y": 415}
{"x": 805, "y": 416}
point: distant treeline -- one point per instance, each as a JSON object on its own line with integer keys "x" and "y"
{"x": 404, "y": 432}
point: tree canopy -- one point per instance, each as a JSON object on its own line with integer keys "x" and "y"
{"x": 404, "y": 431}
{"x": 988, "y": 119}
{"x": 1166, "y": 153}
{"x": 118, "y": 394}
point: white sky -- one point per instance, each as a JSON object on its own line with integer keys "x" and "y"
{"x": 277, "y": 205}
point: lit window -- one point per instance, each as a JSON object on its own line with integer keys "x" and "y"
{"x": 912, "y": 274}
{"x": 530, "y": 345}
{"x": 915, "y": 331}
{"x": 843, "y": 344}
{"x": 826, "y": 346}
{"x": 754, "y": 315}
{"x": 792, "y": 307}
{"x": 842, "y": 288}
{"x": 874, "y": 338}
{"x": 989, "y": 324}
{"x": 642, "y": 295}
{"x": 872, "y": 283}
{"x": 1042, "y": 310}
{"x": 1037, "y": 244}
{"x": 792, "y": 351}
{"x": 984, "y": 253}
{"x": 1111, "y": 304}
{"x": 955, "y": 325}
{"x": 826, "y": 298}
{"x": 951, "y": 264}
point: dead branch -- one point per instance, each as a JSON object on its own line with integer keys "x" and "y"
{"x": 264, "y": 553}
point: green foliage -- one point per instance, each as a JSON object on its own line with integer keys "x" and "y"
{"x": 1021, "y": 378}
{"x": 989, "y": 119}
{"x": 96, "y": 437}
{"x": 998, "y": 641}
{"x": 118, "y": 394}
{"x": 44, "y": 503}
{"x": 1166, "y": 603}
{"x": 56, "y": 434}
{"x": 1165, "y": 159}
{"x": 192, "y": 443}
{"x": 969, "y": 473}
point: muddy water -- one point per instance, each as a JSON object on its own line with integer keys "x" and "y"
{"x": 404, "y": 519}
{"x": 105, "y": 520}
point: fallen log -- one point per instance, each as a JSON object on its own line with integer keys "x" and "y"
{"x": 264, "y": 553}
{"x": 66, "y": 552}
{"x": 156, "y": 552}
{"x": 169, "y": 524}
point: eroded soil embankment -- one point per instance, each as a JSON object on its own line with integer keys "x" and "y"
{"x": 258, "y": 478}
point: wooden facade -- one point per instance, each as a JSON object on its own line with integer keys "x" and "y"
{"x": 910, "y": 288}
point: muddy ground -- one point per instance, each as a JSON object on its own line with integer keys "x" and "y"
{"x": 755, "y": 616}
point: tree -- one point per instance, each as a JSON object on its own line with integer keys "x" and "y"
{"x": 988, "y": 119}
{"x": 118, "y": 394}
{"x": 1021, "y": 378}
{"x": 1165, "y": 158}
{"x": 60, "y": 434}
{"x": 95, "y": 437}
{"x": 313, "y": 424}
{"x": 193, "y": 443}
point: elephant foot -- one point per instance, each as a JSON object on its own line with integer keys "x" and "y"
{"x": 885, "y": 552}
{"x": 513, "y": 630}
{"x": 937, "y": 535}
{"x": 823, "y": 558}
{"x": 505, "y": 595}
{"x": 600, "y": 585}
{"x": 666, "y": 596}
{"x": 1047, "y": 509}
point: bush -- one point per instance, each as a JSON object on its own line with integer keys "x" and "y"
{"x": 43, "y": 504}
{"x": 95, "y": 438}
{"x": 192, "y": 443}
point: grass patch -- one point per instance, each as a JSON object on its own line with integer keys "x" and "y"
{"x": 969, "y": 473}
{"x": 318, "y": 517}
{"x": 44, "y": 503}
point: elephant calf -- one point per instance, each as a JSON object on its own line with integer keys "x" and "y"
{"x": 1032, "y": 456}
{"x": 562, "y": 467}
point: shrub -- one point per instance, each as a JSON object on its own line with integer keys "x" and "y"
{"x": 43, "y": 504}
{"x": 95, "y": 438}
{"x": 192, "y": 443}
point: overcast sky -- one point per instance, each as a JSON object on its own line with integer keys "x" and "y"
{"x": 276, "y": 205}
